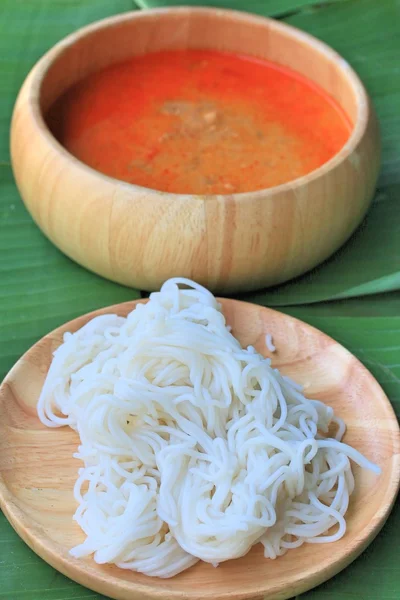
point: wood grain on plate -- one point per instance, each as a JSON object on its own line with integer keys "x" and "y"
{"x": 37, "y": 470}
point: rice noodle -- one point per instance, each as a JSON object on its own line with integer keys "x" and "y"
{"x": 192, "y": 447}
{"x": 269, "y": 343}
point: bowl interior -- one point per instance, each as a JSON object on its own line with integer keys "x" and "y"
{"x": 95, "y": 47}
{"x": 38, "y": 471}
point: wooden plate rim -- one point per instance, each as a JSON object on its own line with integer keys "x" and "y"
{"x": 84, "y": 573}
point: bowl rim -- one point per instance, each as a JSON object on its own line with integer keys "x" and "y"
{"x": 38, "y": 73}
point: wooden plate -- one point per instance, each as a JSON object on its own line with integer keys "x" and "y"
{"x": 37, "y": 471}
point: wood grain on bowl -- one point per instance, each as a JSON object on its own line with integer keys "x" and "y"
{"x": 38, "y": 471}
{"x": 141, "y": 237}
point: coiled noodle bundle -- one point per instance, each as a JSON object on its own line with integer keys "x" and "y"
{"x": 192, "y": 447}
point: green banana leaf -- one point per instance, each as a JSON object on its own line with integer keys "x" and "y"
{"x": 373, "y": 576}
{"x": 28, "y": 28}
{"x": 365, "y": 32}
{"x": 368, "y": 264}
{"x": 40, "y": 288}
{"x": 370, "y": 330}
{"x": 271, "y": 8}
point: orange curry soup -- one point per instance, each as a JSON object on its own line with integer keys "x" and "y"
{"x": 199, "y": 122}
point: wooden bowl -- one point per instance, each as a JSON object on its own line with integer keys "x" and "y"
{"x": 38, "y": 471}
{"x": 141, "y": 237}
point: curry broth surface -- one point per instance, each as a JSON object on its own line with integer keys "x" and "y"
{"x": 199, "y": 122}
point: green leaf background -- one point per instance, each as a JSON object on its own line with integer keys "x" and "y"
{"x": 356, "y": 290}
